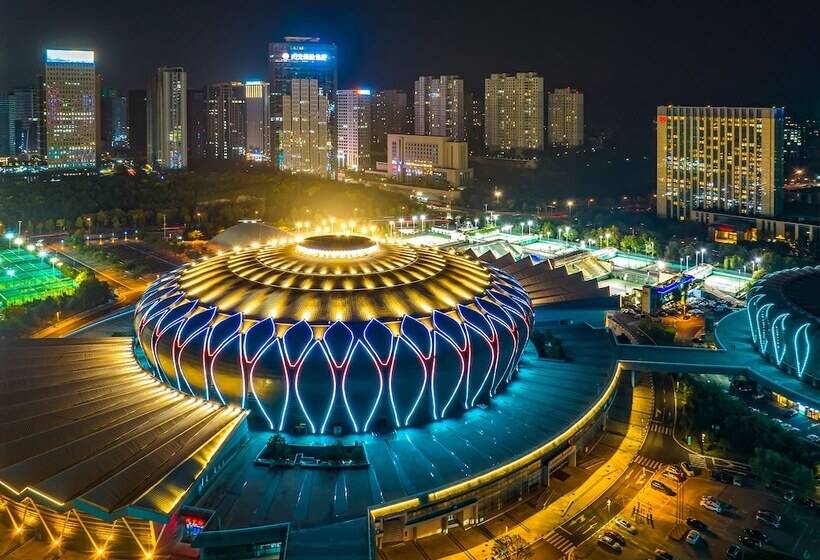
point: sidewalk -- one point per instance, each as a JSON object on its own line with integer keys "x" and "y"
{"x": 537, "y": 526}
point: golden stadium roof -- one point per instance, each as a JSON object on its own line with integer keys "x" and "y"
{"x": 329, "y": 278}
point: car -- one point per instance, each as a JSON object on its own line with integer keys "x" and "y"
{"x": 750, "y": 542}
{"x": 625, "y": 525}
{"x": 755, "y": 534}
{"x": 616, "y": 536}
{"x": 789, "y": 496}
{"x": 696, "y": 524}
{"x": 661, "y": 554}
{"x": 687, "y": 469}
{"x": 611, "y": 543}
{"x": 658, "y": 485}
{"x": 813, "y": 438}
{"x": 789, "y": 413}
{"x": 673, "y": 476}
{"x": 738, "y": 480}
{"x": 758, "y": 396}
{"x": 734, "y": 552}
{"x": 693, "y": 537}
{"x": 768, "y": 517}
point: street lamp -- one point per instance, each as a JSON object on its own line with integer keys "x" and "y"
{"x": 497, "y": 195}
{"x": 529, "y": 227}
{"x": 423, "y": 217}
{"x": 570, "y": 204}
{"x": 9, "y": 236}
{"x": 702, "y": 254}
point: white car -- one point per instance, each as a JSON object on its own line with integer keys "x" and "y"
{"x": 625, "y": 525}
{"x": 687, "y": 468}
{"x": 693, "y": 537}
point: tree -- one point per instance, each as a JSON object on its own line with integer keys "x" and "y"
{"x": 511, "y": 547}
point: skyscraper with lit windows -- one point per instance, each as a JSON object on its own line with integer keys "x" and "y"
{"x": 721, "y": 159}
{"x": 514, "y": 112}
{"x": 565, "y": 117}
{"x": 305, "y": 132}
{"x": 257, "y": 111}
{"x": 167, "y": 124}
{"x": 225, "y": 121}
{"x": 353, "y": 119}
{"x": 439, "y": 107}
{"x": 70, "y": 88}
{"x": 301, "y": 58}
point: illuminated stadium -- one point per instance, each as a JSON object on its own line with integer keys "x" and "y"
{"x": 398, "y": 379}
{"x": 337, "y": 334}
{"x": 784, "y": 319}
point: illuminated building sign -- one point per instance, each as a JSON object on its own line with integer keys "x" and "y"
{"x": 304, "y": 57}
{"x": 363, "y": 91}
{"x": 70, "y": 57}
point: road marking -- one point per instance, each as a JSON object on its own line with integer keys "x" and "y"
{"x": 661, "y": 429}
{"x": 698, "y": 461}
{"x": 591, "y": 527}
{"x": 650, "y": 464}
{"x": 559, "y": 542}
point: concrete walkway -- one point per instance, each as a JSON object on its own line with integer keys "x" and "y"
{"x": 539, "y": 525}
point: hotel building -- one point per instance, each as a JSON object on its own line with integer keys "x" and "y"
{"x": 722, "y": 159}
{"x": 428, "y": 159}
{"x": 70, "y": 86}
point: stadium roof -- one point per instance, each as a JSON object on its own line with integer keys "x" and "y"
{"x": 85, "y": 427}
{"x": 244, "y": 234}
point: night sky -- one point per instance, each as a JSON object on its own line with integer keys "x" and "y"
{"x": 626, "y": 56}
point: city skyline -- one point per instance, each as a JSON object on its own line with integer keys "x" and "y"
{"x": 623, "y": 82}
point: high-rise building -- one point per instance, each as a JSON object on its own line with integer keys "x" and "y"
{"x": 197, "y": 117}
{"x": 566, "y": 117}
{"x": 389, "y": 115}
{"x": 137, "y": 124}
{"x": 167, "y": 119}
{"x": 225, "y": 124}
{"x": 794, "y": 140}
{"x": 305, "y": 131}
{"x": 257, "y": 109}
{"x": 354, "y": 129}
{"x": 723, "y": 159}
{"x": 514, "y": 112}
{"x": 113, "y": 120}
{"x": 71, "y": 109}
{"x": 435, "y": 160}
{"x": 439, "y": 107}
{"x": 6, "y": 128}
{"x": 25, "y": 121}
{"x": 474, "y": 106}
{"x": 301, "y": 58}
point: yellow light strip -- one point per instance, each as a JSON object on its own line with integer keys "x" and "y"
{"x": 503, "y": 470}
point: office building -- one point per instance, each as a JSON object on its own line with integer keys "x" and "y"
{"x": 300, "y": 58}
{"x": 6, "y": 126}
{"x": 439, "y": 107}
{"x": 566, "y": 118}
{"x": 257, "y": 110}
{"x": 434, "y": 160}
{"x": 514, "y": 112}
{"x": 197, "y": 117}
{"x": 794, "y": 140}
{"x": 353, "y": 138}
{"x": 722, "y": 159}
{"x": 168, "y": 119}
{"x": 137, "y": 124}
{"x": 306, "y": 143}
{"x": 225, "y": 123}
{"x": 474, "y": 106}
{"x": 389, "y": 115}
{"x": 25, "y": 134}
{"x": 71, "y": 109}
{"x": 113, "y": 121}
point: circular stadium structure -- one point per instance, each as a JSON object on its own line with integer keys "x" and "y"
{"x": 337, "y": 334}
{"x": 784, "y": 318}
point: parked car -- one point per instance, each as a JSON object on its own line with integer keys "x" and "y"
{"x": 755, "y": 534}
{"x": 625, "y": 525}
{"x": 616, "y": 536}
{"x": 610, "y": 543}
{"x": 693, "y": 537}
{"x": 734, "y": 552}
{"x": 750, "y": 542}
{"x": 768, "y": 517}
{"x": 789, "y": 496}
{"x": 677, "y": 477}
{"x": 696, "y": 524}
{"x": 687, "y": 469}
{"x": 658, "y": 485}
{"x": 661, "y": 554}
{"x": 790, "y": 413}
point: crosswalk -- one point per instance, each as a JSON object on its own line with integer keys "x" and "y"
{"x": 698, "y": 461}
{"x": 559, "y": 542}
{"x": 650, "y": 464}
{"x": 660, "y": 428}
